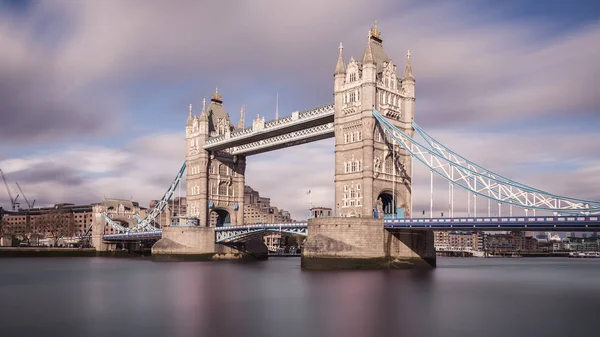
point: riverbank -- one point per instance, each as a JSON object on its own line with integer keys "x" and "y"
{"x": 60, "y": 252}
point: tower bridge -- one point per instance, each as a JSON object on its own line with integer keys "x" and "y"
{"x": 372, "y": 120}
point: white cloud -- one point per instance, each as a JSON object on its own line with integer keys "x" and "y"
{"x": 474, "y": 72}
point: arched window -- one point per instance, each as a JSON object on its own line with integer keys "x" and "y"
{"x": 223, "y": 189}
{"x": 388, "y": 165}
{"x": 222, "y": 170}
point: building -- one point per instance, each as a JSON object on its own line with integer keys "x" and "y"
{"x": 371, "y": 174}
{"x": 35, "y": 225}
{"x": 175, "y": 207}
{"x": 457, "y": 241}
{"x": 320, "y": 212}
{"x": 258, "y": 209}
{"x": 28, "y": 225}
{"x": 215, "y": 179}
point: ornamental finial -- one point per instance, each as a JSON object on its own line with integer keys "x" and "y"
{"x": 408, "y": 55}
{"x": 216, "y": 97}
{"x": 374, "y": 32}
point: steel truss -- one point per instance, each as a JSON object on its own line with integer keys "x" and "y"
{"x": 146, "y": 224}
{"x": 240, "y": 233}
{"x": 480, "y": 181}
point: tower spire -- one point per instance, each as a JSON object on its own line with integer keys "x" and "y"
{"x": 242, "y": 123}
{"x": 368, "y": 56}
{"x": 190, "y": 117}
{"x": 408, "y": 73}
{"x": 340, "y": 68}
{"x": 203, "y": 114}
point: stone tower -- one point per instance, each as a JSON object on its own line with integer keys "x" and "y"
{"x": 371, "y": 173}
{"x": 215, "y": 180}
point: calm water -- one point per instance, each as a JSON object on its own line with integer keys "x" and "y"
{"x": 463, "y": 297}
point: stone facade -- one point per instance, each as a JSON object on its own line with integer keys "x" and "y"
{"x": 370, "y": 172}
{"x": 215, "y": 181}
{"x": 362, "y": 243}
{"x": 175, "y": 207}
{"x": 120, "y": 211}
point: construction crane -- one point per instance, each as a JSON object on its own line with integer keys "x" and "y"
{"x": 24, "y": 197}
{"x": 13, "y": 202}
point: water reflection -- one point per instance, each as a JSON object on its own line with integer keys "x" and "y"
{"x": 463, "y": 297}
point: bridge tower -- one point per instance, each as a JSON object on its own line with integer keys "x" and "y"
{"x": 370, "y": 172}
{"x": 215, "y": 180}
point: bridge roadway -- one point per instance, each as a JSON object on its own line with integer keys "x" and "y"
{"x": 526, "y": 223}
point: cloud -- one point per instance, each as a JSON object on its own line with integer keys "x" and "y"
{"x": 38, "y": 102}
{"x": 140, "y": 170}
{"x": 125, "y": 74}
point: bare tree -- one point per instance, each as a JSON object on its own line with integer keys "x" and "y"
{"x": 56, "y": 223}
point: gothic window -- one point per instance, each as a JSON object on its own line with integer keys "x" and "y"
{"x": 345, "y": 167}
{"x": 351, "y": 137}
{"x": 388, "y": 165}
{"x": 387, "y": 83}
{"x": 358, "y": 95}
{"x": 223, "y": 189}
{"x": 230, "y": 190}
{"x": 359, "y": 136}
{"x": 222, "y": 170}
{"x": 345, "y": 188}
{"x": 345, "y": 138}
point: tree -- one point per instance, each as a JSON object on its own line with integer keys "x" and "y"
{"x": 56, "y": 224}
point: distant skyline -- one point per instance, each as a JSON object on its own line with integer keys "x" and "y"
{"x": 94, "y": 95}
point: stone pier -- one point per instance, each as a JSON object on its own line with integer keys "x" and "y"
{"x": 198, "y": 243}
{"x": 363, "y": 243}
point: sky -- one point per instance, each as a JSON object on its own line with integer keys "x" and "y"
{"x": 94, "y": 95}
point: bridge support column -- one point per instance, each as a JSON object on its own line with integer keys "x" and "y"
{"x": 98, "y": 233}
{"x": 363, "y": 243}
{"x": 198, "y": 243}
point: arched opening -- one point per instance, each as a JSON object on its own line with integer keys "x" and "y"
{"x": 220, "y": 217}
{"x": 388, "y": 204}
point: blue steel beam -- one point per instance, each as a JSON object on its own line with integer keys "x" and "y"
{"x": 480, "y": 181}
{"x": 530, "y": 223}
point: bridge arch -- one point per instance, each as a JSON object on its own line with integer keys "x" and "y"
{"x": 386, "y": 203}
{"x": 222, "y": 216}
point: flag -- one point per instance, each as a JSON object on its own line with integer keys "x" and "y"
{"x": 308, "y": 192}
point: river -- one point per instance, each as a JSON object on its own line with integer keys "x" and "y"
{"x": 462, "y": 297}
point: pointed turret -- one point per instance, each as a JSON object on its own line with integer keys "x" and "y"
{"x": 408, "y": 73}
{"x": 340, "y": 68}
{"x": 368, "y": 55}
{"x": 242, "y": 124}
{"x": 190, "y": 117}
{"x": 204, "y": 114}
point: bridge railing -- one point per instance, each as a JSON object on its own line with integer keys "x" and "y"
{"x": 296, "y": 117}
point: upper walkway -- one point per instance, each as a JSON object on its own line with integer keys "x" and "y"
{"x": 300, "y": 127}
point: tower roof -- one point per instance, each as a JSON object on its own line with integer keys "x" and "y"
{"x": 408, "y": 73}
{"x": 374, "y": 49}
{"x": 216, "y": 112}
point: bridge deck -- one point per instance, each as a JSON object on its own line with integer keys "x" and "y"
{"x": 537, "y": 224}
